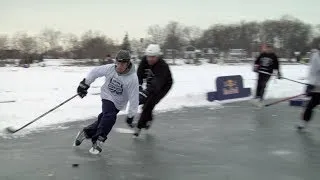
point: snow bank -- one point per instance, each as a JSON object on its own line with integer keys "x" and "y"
{"x": 38, "y": 89}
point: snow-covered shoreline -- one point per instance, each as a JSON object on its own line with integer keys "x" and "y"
{"x": 37, "y": 89}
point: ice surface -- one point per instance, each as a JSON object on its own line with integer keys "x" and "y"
{"x": 38, "y": 89}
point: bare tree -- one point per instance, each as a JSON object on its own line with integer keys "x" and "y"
{"x": 138, "y": 46}
{"x": 156, "y": 34}
{"x": 316, "y": 30}
{"x": 50, "y": 38}
{"x": 25, "y": 43}
{"x": 174, "y": 40}
{"x": 27, "y": 47}
{"x": 70, "y": 41}
{"x": 3, "y": 41}
{"x": 174, "y": 36}
{"x": 192, "y": 34}
{"x": 95, "y": 46}
{"x": 292, "y": 34}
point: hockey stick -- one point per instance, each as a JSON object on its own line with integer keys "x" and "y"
{"x": 306, "y": 64}
{"x": 11, "y": 101}
{"x": 12, "y": 130}
{"x": 295, "y": 81}
{"x": 284, "y": 78}
{"x": 282, "y": 100}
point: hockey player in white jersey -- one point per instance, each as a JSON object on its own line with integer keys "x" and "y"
{"x": 121, "y": 86}
{"x": 312, "y": 90}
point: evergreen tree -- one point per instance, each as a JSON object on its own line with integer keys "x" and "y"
{"x": 126, "y": 43}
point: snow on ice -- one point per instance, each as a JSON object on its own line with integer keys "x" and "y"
{"x": 35, "y": 90}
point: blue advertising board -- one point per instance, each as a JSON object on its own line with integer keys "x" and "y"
{"x": 229, "y": 87}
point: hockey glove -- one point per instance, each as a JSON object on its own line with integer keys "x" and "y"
{"x": 130, "y": 121}
{"x": 309, "y": 89}
{"x": 279, "y": 75}
{"x": 140, "y": 88}
{"x": 256, "y": 68}
{"x": 143, "y": 97}
{"x": 83, "y": 89}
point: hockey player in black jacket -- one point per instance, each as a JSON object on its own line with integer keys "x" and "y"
{"x": 264, "y": 65}
{"x": 156, "y": 73}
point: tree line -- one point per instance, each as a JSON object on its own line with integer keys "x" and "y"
{"x": 287, "y": 34}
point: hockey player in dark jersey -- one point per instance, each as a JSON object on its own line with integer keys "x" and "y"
{"x": 264, "y": 65}
{"x": 156, "y": 73}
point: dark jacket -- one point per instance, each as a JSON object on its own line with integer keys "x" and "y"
{"x": 157, "y": 76}
{"x": 267, "y": 62}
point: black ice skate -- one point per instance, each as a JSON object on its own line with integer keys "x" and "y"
{"x": 80, "y": 137}
{"x": 130, "y": 123}
{"x": 137, "y": 132}
{"x": 148, "y": 125}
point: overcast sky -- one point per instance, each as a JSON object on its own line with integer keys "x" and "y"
{"x": 115, "y": 17}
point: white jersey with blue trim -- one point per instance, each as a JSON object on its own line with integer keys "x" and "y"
{"x": 118, "y": 88}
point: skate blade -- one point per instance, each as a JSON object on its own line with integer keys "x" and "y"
{"x": 94, "y": 151}
{"x": 75, "y": 141}
{"x": 257, "y": 104}
{"x": 260, "y": 106}
{"x": 136, "y": 134}
{"x": 124, "y": 130}
{"x": 301, "y": 129}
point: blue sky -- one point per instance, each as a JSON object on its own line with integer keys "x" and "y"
{"x": 115, "y": 17}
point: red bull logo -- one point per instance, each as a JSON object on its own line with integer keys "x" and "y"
{"x": 230, "y": 87}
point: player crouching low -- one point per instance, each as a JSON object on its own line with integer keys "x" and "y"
{"x": 121, "y": 85}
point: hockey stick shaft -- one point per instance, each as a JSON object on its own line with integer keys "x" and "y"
{"x": 7, "y": 101}
{"x": 262, "y": 72}
{"x": 295, "y": 81}
{"x": 283, "y": 78}
{"x": 285, "y": 99}
{"x": 56, "y": 107}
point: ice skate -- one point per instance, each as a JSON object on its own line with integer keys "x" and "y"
{"x": 148, "y": 125}
{"x": 130, "y": 123}
{"x": 96, "y": 147}
{"x": 260, "y": 104}
{"x": 257, "y": 102}
{"x": 80, "y": 137}
{"x": 137, "y": 132}
{"x": 302, "y": 126}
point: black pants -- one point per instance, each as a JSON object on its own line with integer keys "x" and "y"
{"x": 148, "y": 106}
{"x": 106, "y": 119}
{"x": 315, "y": 101}
{"x": 261, "y": 85}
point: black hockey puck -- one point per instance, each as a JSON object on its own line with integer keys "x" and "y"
{"x": 75, "y": 165}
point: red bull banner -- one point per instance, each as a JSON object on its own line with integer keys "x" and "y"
{"x": 229, "y": 87}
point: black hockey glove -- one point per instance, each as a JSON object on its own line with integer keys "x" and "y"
{"x": 129, "y": 121}
{"x": 255, "y": 68}
{"x": 279, "y": 75}
{"x": 83, "y": 89}
{"x": 143, "y": 95}
{"x": 140, "y": 88}
{"x": 309, "y": 89}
